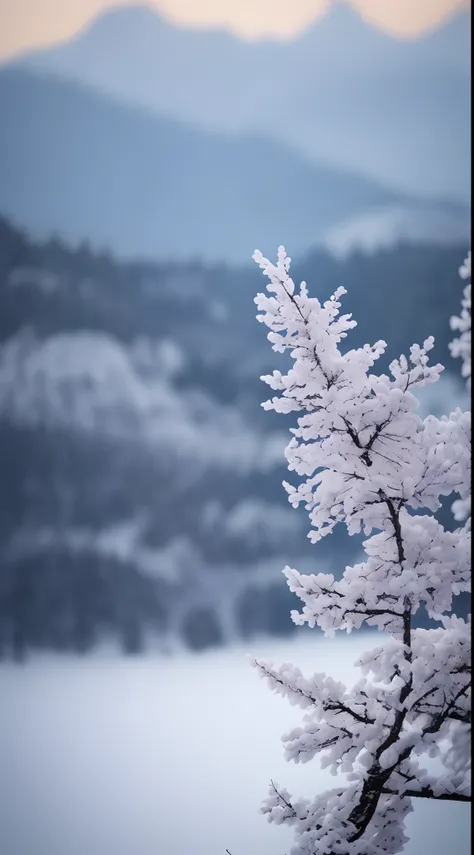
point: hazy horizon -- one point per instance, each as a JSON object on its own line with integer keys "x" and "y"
{"x": 22, "y": 30}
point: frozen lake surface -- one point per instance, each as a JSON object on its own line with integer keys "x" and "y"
{"x": 166, "y": 756}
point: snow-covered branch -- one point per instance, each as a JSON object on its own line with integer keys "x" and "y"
{"x": 461, "y": 346}
{"x": 366, "y": 460}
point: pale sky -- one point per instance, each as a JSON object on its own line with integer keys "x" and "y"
{"x": 25, "y": 24}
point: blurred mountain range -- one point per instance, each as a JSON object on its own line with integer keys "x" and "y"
{"x": 343, "y": 93}
{"x": 140, "y": 480}
{"x": 79, "y": 163}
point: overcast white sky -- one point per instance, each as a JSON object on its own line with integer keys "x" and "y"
{"x": 29, "y": 23}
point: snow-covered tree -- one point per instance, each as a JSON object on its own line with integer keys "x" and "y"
{"x": 367, "y": 461}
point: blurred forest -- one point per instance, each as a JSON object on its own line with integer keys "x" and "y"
{"x": 140, "y": 480}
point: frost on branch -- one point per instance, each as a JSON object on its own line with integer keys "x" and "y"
{"x": 461, "y": 346}
{"x": 365, "y": 459}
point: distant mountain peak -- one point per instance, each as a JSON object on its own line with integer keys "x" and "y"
{"x": 341, "y": 19}
{"x": 341, "y": 22}
{"x": 457, "y": 23}
{"x": 143, "y": 12}
{"x": 129, "y": 20}
{"x": 456, "y": 28}
{"x": 341, "y": 10}
{"x": 341, "y": 14}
